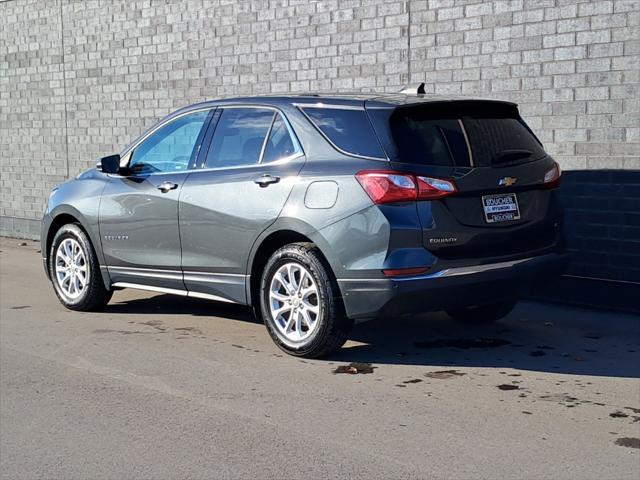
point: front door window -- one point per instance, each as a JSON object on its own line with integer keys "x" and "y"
{"x": 171, "y": 148}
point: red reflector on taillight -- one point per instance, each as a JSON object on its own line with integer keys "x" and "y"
{"x": 387, "y": 186}
{"x": 397, "y": 272}
{"x": 553, "y": 176}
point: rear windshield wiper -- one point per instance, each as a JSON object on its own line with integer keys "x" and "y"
{"x": 511, "y": 155}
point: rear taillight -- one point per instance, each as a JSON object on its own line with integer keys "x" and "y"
{"x": 553, "y": 176}
{"x": 433, "y": 188}
{"x": 388, "y": 186}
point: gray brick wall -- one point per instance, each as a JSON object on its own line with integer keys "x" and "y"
{"x": 573, "y": 68}
{"x": 32, "y": 109}
{"x": 79, "y": 79}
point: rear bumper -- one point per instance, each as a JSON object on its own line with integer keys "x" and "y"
{"x": 447, "y": 288}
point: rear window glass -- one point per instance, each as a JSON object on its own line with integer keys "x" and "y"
{"x": 428, "y": 137}
{"x": 496, "y": 141}
{"x": 349, "y": 130}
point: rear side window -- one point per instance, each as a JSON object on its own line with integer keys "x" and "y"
{"x": 456, "y": 136}
{"x": 239, "y": 136}
{"x": 280, "y": 144}
{"x": 349, "y": 130}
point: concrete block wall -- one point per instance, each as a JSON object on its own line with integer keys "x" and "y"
{"x": 573, "y": 68}
{"x": 79, "y": 79}
{"x": 33, "y": 146}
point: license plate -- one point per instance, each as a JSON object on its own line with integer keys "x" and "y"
{"x": 500, "y": 208}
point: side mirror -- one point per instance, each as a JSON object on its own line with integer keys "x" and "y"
{"x": 110, "y": 164}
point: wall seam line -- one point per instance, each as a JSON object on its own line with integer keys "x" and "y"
{"x": 408, "y": 5}
{"x": 64, "y": 91}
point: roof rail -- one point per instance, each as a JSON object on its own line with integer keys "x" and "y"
{"x": 414, "y": 89}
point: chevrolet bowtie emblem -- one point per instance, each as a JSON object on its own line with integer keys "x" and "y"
{"x": 507, "y": 181}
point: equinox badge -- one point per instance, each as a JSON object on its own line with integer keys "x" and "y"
{"x": 507, "y": 181}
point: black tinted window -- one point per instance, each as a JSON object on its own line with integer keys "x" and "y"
{"x": 430, "y": 142}
{"x": 169, "y": 149}
{"x": 496, "y": 141}
{"x": 436, "y": 135}
{"x": 349, "y": 130}
{"x": 280, "y": 144}
{"x": 239, "y": 136}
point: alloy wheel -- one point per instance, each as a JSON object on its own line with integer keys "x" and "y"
{"x": 294, "y": 302}
{"x": 71, "y": 268}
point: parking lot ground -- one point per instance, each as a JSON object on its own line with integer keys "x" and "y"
{"x": 166, "y": 387}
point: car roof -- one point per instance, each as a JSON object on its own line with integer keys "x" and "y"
{"x": 371, "y": 100}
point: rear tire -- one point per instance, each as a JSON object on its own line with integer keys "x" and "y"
{"x": 483, "y": 314}
{"x": 75, "y": 271}
{"x": 300, "y": 302}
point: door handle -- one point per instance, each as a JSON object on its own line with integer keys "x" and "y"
{"x": 266, "y": 180}
{"x": 164, "y": 187}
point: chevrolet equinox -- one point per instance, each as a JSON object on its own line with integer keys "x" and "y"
{"x": 318, "y": 211}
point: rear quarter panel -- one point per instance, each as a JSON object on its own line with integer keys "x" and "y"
{"x": 329, "y": 206}
{"x": 358, "y": 238}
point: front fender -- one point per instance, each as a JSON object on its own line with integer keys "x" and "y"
{"x": 79, "y": 201}
{"x": 88, "y": 224}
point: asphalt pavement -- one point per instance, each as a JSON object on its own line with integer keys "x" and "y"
{"x": 165, "y": 387}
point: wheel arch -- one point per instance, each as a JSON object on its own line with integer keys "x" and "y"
{"x": 275, "y": 238}
{"x": 64, "y": 216}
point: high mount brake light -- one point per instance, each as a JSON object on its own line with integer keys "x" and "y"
{"x": 552, "y": 177}
{"x": 388, "y": 186}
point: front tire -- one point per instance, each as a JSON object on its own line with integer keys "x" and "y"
{"x": 75, "y": 271}
{"x": 483, "y": 314}
{"x": 300, "y": 302}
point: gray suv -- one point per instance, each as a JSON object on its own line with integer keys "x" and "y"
{"x": 316, "y": 210}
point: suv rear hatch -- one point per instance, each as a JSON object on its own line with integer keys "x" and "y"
{"x": 503, "y": 203}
